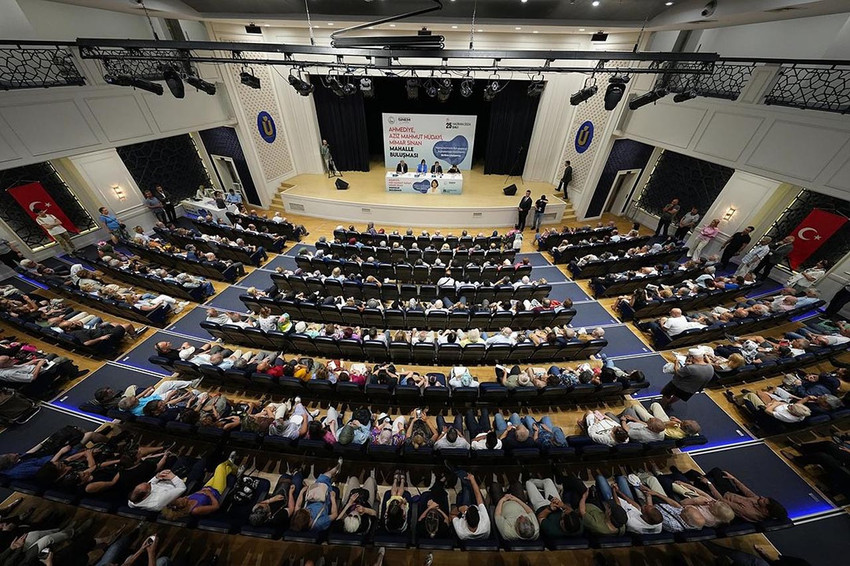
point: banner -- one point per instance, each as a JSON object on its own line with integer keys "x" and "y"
{"x": 432, "y": 137}
{"x": 812, "y": 233}
{"x": 33, "y": 197}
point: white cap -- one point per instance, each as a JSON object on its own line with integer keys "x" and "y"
{"x": 696, "y": 352}
{"x": 296, "y": 419}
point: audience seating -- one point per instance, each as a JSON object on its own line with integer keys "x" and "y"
{"x": 769, "y": 425}
{"x": 221, "y": 251}
{"x": 473, "y": 292}
{"x": 406, "y": 273}
{"x": 170, "y": 261}
{"x": 752, "y": 372}
{"x": 148, "y": 281}
{"x": 44, "y": 333}
{"x": 399, "y": 255}
{"x": 603, "y": 266}
{"x": 660, "y": 307}
{"x": 548, "y": 241}
{"x": 574, "y": 252}
{"x": 286, "y": 229}
{"x": 407, "y": 240}
{"x": 378, "y": 351}
{"x": 270, "y": 242}
{"x": 602, "y": 288}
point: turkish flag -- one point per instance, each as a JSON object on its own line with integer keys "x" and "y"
{"x": 33, "y": 197}
{"x": 811, "y": 233}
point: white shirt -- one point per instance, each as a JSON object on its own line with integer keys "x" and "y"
{"x": 483, "y": 530}
{"x": 635, "y": 523}
{"x": 162, "y": 493}
{"x": 781, "y": 413}
{"x": 639, "y": 432}
{"x": 482, "y": 444}
{"x": 18, "y": 374}
{"x": 49, "y": 219}
{"x": 677, "y": 325}
{"x": 600, "y": 430}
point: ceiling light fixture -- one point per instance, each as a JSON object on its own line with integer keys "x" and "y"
{"x": 535, "y": 31}
{"x": 517, "y": 28}
{"x": 649, "y": 98}
{"x": 615, "y": 91}
{"x": 668, "y": 3}
{"x": 595, "y": 3}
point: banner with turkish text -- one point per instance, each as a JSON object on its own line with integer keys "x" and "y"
{"x": 812, "y": 233}
{"x": 32, "y": 197}
{"x": 432, "y": 137}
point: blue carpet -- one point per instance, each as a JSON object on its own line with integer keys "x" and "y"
{"x": 770, "y": 477}
{"x": 535, "y": 259}
{"x": 228, "y": 300}
{"x": 551, "y": 273}
{"x": 716, "y": 425}
{"x": 190, "y": 324}
{"x": 591, "y": 314}
{"x": 138, "y": 356}
{"x": 651, "y": 368}
{"x": 766, "y": 288}
{"x": 622, "y": 342}
{"x": 281, "y": 261}
{"x": 25, "y": 285}
{"x": 828, "y": 551}
{"x": 117, "y": 377}
{"x": 568, "y": 290}
{"x": 46, "y": 422}
{"x": 297, "y": 247}
{"x": 259, "y": 278}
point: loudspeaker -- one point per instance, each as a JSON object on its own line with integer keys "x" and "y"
{"x": 510, "y": 191}
{"x": 341, "y": 185}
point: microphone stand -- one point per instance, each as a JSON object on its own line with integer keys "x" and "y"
{"x": 514, "y": 166}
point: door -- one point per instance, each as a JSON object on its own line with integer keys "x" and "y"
{"x": 621, "y": 191}
{"x": 227, "y": 174}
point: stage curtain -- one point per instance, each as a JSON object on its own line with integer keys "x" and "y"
{"x": 511, "y": 124}
{"x": 342, "y": 121}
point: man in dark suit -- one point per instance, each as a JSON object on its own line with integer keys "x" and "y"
{"x": 524, "y": 206}
{"x": 566, "y": 178}
{"x": 436, "y": 168}
{"x": 776, "y": 255}
{"x": 401, "y": 167}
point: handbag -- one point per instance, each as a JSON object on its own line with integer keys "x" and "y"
{"x": 244, "y": 489}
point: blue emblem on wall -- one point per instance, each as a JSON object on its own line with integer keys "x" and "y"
{"x": 584, "y": 137}
{"x": 265, "y": 124}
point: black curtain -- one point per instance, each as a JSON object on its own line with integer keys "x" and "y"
{"x": 511, "y": 123}
{"x": 342, "y": 121}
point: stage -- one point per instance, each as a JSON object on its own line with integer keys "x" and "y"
{"x": 482, "y": 203}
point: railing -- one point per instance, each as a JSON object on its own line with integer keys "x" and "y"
{"x": 825, "y": 88}
{"x": 38, "y": 65}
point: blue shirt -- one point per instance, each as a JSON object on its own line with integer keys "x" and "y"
{"x": 111, "y": 222}
{"x": 234, "y": 198}
{"x": 138, "y": 410}
{"x": 26, "y": 469}
{"x": 422, "y": 168}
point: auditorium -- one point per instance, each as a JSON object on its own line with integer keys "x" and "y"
{"x": 424, "y": 282}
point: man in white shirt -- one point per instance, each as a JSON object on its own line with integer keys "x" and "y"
{"x": 54, "y": 227}
{"x": 156, "y": 494}
{"x": 604, "y": 430}
{"x": 779, "y": 404}
{"x": 676, "y": 323}
{"x": 643, "y": 519}
{"x": 470, "y": 518}
{"x": 503, "y": 337}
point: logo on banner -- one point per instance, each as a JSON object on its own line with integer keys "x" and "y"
{"x": 266, "y": 127}
{"x": 454, "y": 150}
{"x": 584, "y": 137}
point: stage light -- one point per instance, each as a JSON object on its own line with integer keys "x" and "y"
{"x": 595, "y": 3}
{"x": 466, "y": 88}
{"x": 583, "y": 95}
{"x": 491, "y": 90}
{"x": 249, "y": 80}
{"x": 430, "y": 89}
{"x": 366, "y": 87}
{"x": 535, "y": 89}
{"x": 174, "y": 82}
{"x": 412, "y": 87}
{"x": 648, "y": 98}
{"x": 614, "y": 92}
{"x": 141, "y": 84}
{"x": 444, "y": 89}
{"x": 684, "y": 96}
{"x": 301, "y": 86}
{"x": 201, "y": 84}
{"x": 348, "y": 89}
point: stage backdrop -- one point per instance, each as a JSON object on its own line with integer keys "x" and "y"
{"x": 432, "y": 137}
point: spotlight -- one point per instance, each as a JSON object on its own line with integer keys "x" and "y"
{"x": 348, "y": 89}
{"x": 430, "y": 89}
{"x": 491, "y": 90}
{"x": 412, "y": 87}
{"x": 648, "y": 98}
{"x": 466, "y": 88}
{"x": 127, "y": 80}
{"x": 301, "y": 86}
{"x": 335, "y": 86}
{"x": 444, "y": 89}
{"x": 201, "y": 84}
{"x": 535, "y": 89}
{"x": 174, "y": 82}
{"x": 366, "y": 87}
{"x": 614, "y": 92}
{"x": 684, "y": 96}
{"x": 249, "y": 80}
{"x": 583, "y": 95}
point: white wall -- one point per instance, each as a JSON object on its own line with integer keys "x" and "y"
{"x": 54, "y": 20}
{"x": 554, "y": 114}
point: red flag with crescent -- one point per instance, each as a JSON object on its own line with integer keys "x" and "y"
{"x": 812, "y": 233}
{"x": 33, "y": 197}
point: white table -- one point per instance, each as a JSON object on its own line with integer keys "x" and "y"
{"x": 208, "y": 207}
{"x": 425, "y": 183}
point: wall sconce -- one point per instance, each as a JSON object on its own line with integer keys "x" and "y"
{"x": 119, "y": 193}
{"x": 729, "y": 214}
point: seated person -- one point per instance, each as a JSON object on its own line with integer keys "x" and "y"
{"x": 135, "y": 403}
{"x": 396, "y": 507}
{"x": 639, "y": 431}
{"x": 673, "y": 428}
{"x": 746, "y": 504}
{"x": 514, "y": 518}
{"x": 781, "y": 406}
{"x": 513, "y": 433}
{"x": 544, "y": 432}
{"x": 207, "y": 500}
{"x": 434, "y": 522}
{"x": 277, "y": 509}
{"x": 454, "y": 169}
{"x": 357, "y": 514}
{"x": 676, "y": 517}
{"x": 388, "y": 431}
{"x": 316, "y": 507}
{"x": 602, "y": 429}
{"x": 469, "y": 517}
{"x": 557, "y": 515}
{"x": 419, "y": 433}
{"x": 602, "y": 517}
{"x": 481, "y": 434}
{"x": 450, "y": 435}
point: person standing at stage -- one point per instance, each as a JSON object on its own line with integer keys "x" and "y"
{"x": 401, "y": 167}
{"x": 566, "y": 178}
{"x": 325, "y": 150}
{"x": 778, "y": 253}
{"x": 733, "y": 246}
{"x": 667, "y": 214}
{"x": 454, "y": 169}
{"x": 54, "y": 227}
{"x": 422, "y": 167}
{"x": 436, "y": 168}
{"x": 539, "y": 209}
{"x": 523, "y": 209}
{"x": 167, "y": 205}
